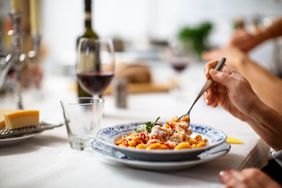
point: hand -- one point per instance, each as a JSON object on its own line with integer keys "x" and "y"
{"x": 230, "y": 90}
{"x": 234, "y": 94}
{"x": 244, "y": 40}
{"x": 234, "y": 56}
{"x": 247, "y": 178}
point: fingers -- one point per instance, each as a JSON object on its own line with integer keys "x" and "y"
{"x": 210, "y": 65}
{"x": 237, "y": 37}
{"x": 211, "y": 96}
{"x": 236, "y": 179}
{"x": 251, "y": 178}
{"x": 231, "y": 178}
{"x": 241, "y": 39}
{"x": 261, "y": 178}
{"x": 220, "y": 77}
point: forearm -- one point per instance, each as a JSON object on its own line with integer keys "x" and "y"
{"x": 267, "y": 86}
{"x": 267, "y": 123}
{"x": 272, "y": 31}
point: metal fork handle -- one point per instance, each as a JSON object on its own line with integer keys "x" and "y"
{"x": 208, "y": 83}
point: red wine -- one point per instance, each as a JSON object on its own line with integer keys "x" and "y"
{"x": 179, "y": 64}
{"x": 179, "y": 67}
{"x": 93, "y": 82}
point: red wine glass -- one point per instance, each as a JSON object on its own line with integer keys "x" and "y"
{"x": 95, "y": 65}
{"x": 179, "y": 60}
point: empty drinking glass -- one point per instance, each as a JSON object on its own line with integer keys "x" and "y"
{"x": 83, "y": 119}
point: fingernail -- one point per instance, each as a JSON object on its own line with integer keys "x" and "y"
{"x": 224, "y": 175}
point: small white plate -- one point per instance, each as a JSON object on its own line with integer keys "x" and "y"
{"x": 14, "y": 140}
{"x": 114, "y": 156}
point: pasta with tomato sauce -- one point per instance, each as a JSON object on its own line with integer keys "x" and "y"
{"x": 171, "y": 135}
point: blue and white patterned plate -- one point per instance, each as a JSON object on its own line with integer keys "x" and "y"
{"x": 112, "y": 156}
{"x": 109, "y": 135}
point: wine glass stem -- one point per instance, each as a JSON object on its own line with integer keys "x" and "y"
{"x": 177, "y": 81}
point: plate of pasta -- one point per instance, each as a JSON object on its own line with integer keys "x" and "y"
{"x": 172, "y": 140}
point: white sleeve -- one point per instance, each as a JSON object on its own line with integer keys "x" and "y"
{"x": 277, "y": 156}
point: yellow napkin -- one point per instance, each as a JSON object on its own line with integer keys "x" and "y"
{"x": 232, "y": 140}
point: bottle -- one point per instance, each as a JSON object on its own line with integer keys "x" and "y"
{"x": 88, "y": 33}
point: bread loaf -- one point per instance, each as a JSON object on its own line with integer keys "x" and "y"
{"x": 134, "y": 73}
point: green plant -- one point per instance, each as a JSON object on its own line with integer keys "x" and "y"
{"x": 197, "y": 36}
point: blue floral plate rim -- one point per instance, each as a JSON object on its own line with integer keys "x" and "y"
{"x": 109, "y": 134}
{"x": 111, "y": 155}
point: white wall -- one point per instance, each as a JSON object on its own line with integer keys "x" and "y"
{"x": 63, "y": 19}
{"x": 61, "y": 24}
{"x": 180, "y": 12}
{"x": 123, "y": 17}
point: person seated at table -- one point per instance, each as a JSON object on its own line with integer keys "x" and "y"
{"x": 262, "y": 81}
{"x": 235, "y": 94}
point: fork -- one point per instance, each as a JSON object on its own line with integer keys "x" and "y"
{"x": 208, "y": 83}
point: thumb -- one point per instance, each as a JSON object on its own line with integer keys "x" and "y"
{"x": 220, "y": 77}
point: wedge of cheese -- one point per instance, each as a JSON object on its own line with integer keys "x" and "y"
{"x": 2, "y": 113}
{"x": 21, "y": 118}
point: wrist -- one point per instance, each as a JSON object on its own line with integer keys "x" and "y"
{"x": 257, "y": 110}
{"x": 242, "y": 61}
{"x": 266, "y": 122}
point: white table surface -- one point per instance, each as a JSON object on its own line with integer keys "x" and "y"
{"x": 47, "y": 160}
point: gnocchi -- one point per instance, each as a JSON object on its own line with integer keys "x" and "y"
{"x": 171, "y": 135}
